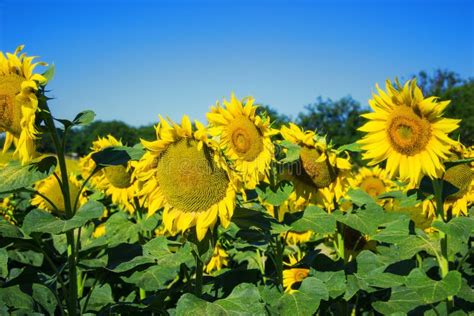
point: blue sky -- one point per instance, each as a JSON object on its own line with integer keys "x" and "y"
{"x": 132, "y": 60}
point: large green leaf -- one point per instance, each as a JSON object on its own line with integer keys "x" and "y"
{"x": 15, "y": 176}
{"x": 315, "y": 219}
{"x": 335, "y": 281}
{"x": 432, "y": 291}
{"x": 44, "y": 297}
{"x": 419, "y": 290}
{"x": 13, "y": 297}
{"x": 304, "y": 301}
{"x": 244, "y": 300}
{"x": 292, "y": 153}
{"x": 101, "y": 296}
{"x": 29, "y": 257}
{"x": 166, "y": 268}
{"x": 44, "y": 222}
{"x": 275, "y": 195}
{"x": 371, "y": 272}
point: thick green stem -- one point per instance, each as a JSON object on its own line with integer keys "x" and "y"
{"x": 199, "y": 275}
{"x": 443, "y": 259}
{"x": 72, "y": 299}
{"x": 280, "y": 247}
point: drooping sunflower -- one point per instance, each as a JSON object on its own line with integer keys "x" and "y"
{"x": 18, "y": 102}
{"x": 117, "y": 182}
{"x": 244, "y": 137}
{"x": 219, "y": 259}
{"x": 50, "y": 188}
{"x": 320, "y": 167}
{"x": 408, "y": 131}
{"x": 374, "y": 181}
{"x": 460, "y": 176}
{"x": 184, "y": 174}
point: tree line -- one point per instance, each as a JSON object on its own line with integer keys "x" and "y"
{"x": 338, "y": 119}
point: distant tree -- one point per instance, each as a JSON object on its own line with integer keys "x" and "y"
{"x": 276, "y": 118}
{"x": 81, "y": 139}
{"x": 439, "y": 82}
{"x": 338, "y": 119}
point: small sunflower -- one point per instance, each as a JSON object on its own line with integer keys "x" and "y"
{"x": 99, "y": 231}
{"x": 183, "y": 173}
{"x": 219, "y": 259}
{"x": 7, "y": 210}
{"x": 460, "y": 176}
{"x": 296, "y": 238}
{"x": 115, "y": 181}
{"x": 374, "y": 181}
{"x": 408, "y": 131}
{"x": 50, "y": 188}
{"x": 419, "y": 214}
{"x": 320, "y": 167}
{"x": 293, "y": 277}
{"x": 18, "y": 102}
{"x": 244, "y": 137}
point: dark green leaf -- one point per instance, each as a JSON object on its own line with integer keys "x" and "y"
{"x": 315, "y": 219}
{"x": 114, "y": 156}
{"x": 44, "y": 297}
{"x": 304, "y": 301}
{"x": 84, "y": 118}
{"x": 27, "y": 257}
{"x": 43, "y": 222}
{"x": 277, "y": 195}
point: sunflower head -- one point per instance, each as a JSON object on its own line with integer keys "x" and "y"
{"x": 244, "y": 137}
{"x": 50, "y": 188}
{"x": 374, "y": 181}
{"x": 118, "y": 182}
{"x": 186, "y": 176}
{"x": 408, "y": 131}
{"x": 18, "y": 102}
{"x": 320, "y": 166}
{"x": 293, "y": 277}
{"x": 461, "y": 177}
{"x": 219, "y": 259}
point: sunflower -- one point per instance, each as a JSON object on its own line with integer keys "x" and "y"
{"x": 244, "y": 137}
{"x": 99, "y": 231}
{"x": 408, "y": 131}
{"x": 419, "y": 214}
{"x": 118, "y": 181}
{"x": 184, "y": 174}
{"x": 6, "y": 210}
{"x": 50, "y": 188}
{"x": 296, "y": 238}
{"x": 219, "y": 259}
{"x": 321, "y": 171}
{"x": 293, "y": 277}
{"x": 374, "y": 181}
{"x": 460, "y": 176}
{"x": 18, "y": 102}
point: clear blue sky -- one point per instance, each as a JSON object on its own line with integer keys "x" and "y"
{"x": 132, "y": 60}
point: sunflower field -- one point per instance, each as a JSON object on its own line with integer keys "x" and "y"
{"x": 234, "y": 216}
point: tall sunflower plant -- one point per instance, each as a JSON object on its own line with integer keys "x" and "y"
{"x": 234, "y": 215}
